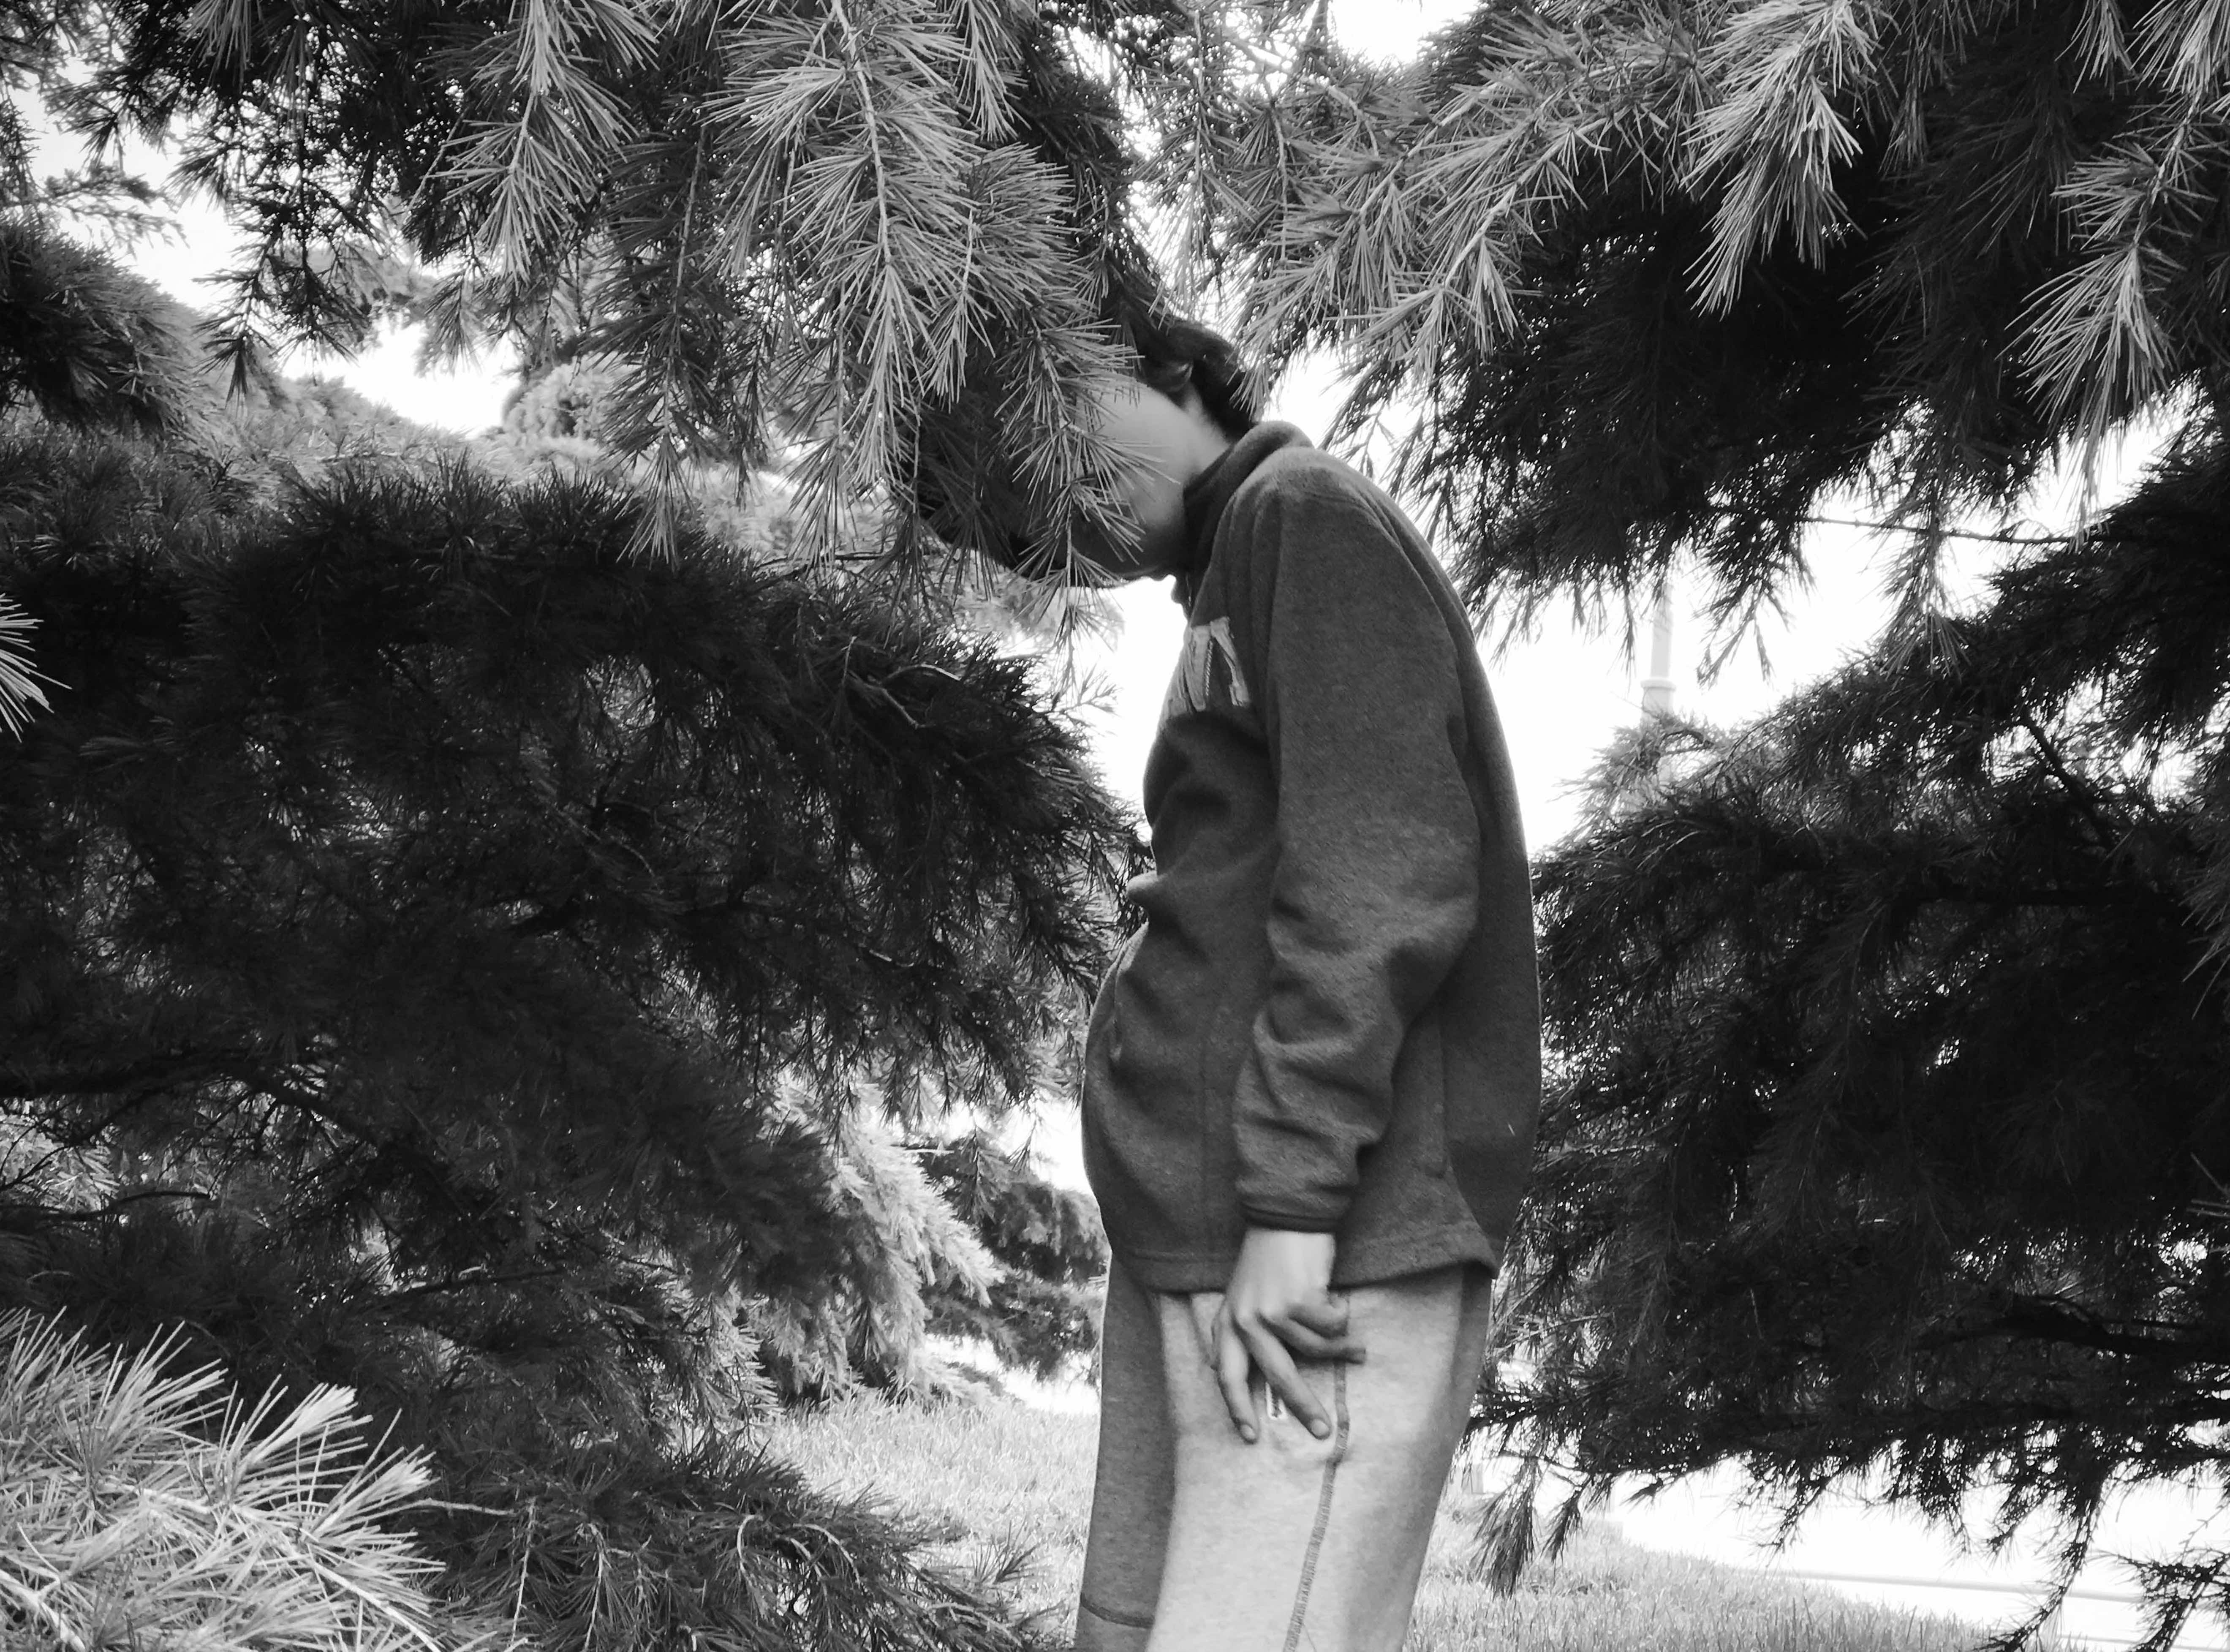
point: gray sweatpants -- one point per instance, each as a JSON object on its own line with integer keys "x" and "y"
{"x": 1203, "y": 1543}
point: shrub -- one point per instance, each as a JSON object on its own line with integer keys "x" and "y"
{"x": 141, "y": 1507}
{"x": 449, "y": 955}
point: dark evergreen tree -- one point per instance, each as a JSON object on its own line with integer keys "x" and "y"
{"x": 1889, "y": 1136}
{"x": 449, "y": 955}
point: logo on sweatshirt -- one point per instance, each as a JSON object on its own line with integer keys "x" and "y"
{"x": 1204, "y": 647}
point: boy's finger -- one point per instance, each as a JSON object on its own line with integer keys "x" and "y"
{"x": 1205, "y": 1305}
{"x": 1234, "y": 1370}
{"x": 1314, "y": 1344}
{"x": 1284, "y": 1377}
{"x": 1327, "y": 1318}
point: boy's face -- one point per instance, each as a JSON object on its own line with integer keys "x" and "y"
{"x": 1161, "y": 443}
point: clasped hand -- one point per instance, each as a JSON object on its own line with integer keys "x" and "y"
{"x": 1278, "y": 1306}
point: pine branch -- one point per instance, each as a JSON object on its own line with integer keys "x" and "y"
{"x": 19, "y": 679}
{"x": 2048, "y": 1321}
{"x": 1933, "y": 531}
{"x": 1773, "y": 130}
{"x": 113, "y": 1207}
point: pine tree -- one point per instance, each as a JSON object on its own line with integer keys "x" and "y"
{"x": 454, "y": 957}
{"x": 1888, "y": 1138}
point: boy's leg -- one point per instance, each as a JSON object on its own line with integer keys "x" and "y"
{"x": 1132, "y": 1491}
{"x": 1295, "y": 1543}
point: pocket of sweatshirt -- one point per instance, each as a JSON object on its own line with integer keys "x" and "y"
{"x": 1224, "y": 1048}
{"x": 1418, "y": 1132}
{"x": 1102, "y": 1022}
{"x": 1124, "y": 954}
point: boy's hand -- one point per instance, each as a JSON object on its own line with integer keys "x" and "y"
{"x": 1278, "y": 1304}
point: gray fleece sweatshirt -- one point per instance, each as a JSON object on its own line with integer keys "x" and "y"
{"x": 1330, "y": 1020}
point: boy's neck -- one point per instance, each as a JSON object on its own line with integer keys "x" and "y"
{"x": 1207, "y": 493}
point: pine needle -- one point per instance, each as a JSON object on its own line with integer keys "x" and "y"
{"x": 19, "y": 681}
{"x": 143, "y": 1508}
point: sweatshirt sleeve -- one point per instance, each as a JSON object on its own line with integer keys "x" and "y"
{"x": 1375, "y": 890}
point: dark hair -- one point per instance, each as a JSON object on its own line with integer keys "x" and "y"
{"x": 1175, "y": 351}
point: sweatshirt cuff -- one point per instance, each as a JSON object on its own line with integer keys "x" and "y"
{"x": 1291, "y": 1221}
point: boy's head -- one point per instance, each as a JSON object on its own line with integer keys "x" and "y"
{"x": 1174, "y": 354}
{"x": 1190, "y": 397}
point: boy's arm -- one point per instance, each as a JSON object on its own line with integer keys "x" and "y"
{"x": 1376, "y": 886}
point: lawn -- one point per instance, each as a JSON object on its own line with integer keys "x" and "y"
{"x": 1008, "y": 1486}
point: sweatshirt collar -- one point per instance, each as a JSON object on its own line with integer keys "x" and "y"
{"x": 1206, "y": 495}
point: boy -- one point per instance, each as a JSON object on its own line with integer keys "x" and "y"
{"x": 1311, "y": 1078}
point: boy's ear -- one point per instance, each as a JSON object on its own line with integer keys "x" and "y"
{"x": 1188, "y": 396}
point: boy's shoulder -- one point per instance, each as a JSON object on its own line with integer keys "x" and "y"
{"x": 1320, "y": 490}
{"x": 1317, "y": 506}
{"x": 1304, "y": 470}
{"x": 1303, "y": 513}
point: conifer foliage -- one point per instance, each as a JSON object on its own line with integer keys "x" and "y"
{"x": 1890, "y": 1137}
{"x": 140, "y": 1510}
{"x": 1040, "y": 1312}
{"x": 884, "y": 231}
{"x": 1661, "y": 273}
{"x": 454, "y": 958}
{"x": 639, "y": 848}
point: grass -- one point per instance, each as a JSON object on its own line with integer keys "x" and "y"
{"x": 1605, "y": 1594}
{"x": 1009, "y": 1487}
{"x": 1001, "y": 1481}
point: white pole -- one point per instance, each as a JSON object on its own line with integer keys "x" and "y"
{"x": 1657, "y": 686}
